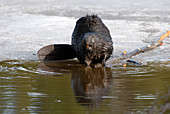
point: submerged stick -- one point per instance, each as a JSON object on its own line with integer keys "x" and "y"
{"x": 129, "y": 55}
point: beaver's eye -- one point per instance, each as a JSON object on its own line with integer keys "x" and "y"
{"x": 88, "y": 46}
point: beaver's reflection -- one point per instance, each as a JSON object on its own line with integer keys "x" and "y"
{"x": 88, "y": 84}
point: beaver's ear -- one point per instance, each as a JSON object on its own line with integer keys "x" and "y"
{"x": 56, "y": 52}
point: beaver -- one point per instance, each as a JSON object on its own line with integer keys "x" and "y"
{"x": 91, "y": 41}
{"x": 91, "y": 44}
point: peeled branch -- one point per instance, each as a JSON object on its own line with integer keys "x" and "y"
{"x": 126, "y": 56}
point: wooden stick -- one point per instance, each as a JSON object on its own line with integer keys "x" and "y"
{"x": 129, "y": 55}
{"x": 164, "y": 36}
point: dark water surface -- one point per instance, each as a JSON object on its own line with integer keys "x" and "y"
{"x": 70, "y": 87}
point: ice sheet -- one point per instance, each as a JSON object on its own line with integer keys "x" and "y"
{"x": 26, "y": 26}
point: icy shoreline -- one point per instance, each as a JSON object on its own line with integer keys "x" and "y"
{"x": 26, "y": 27}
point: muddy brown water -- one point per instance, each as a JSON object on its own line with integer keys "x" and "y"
{"x": 70, "y": 87}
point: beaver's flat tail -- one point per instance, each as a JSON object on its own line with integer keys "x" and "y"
{"x": 56, "y": 52}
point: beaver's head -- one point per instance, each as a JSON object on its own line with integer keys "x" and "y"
{"x": 95, "y": 48}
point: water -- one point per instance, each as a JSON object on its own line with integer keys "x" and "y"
{"x": 30, "y": 86}
{"x": 69, "y": 87}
